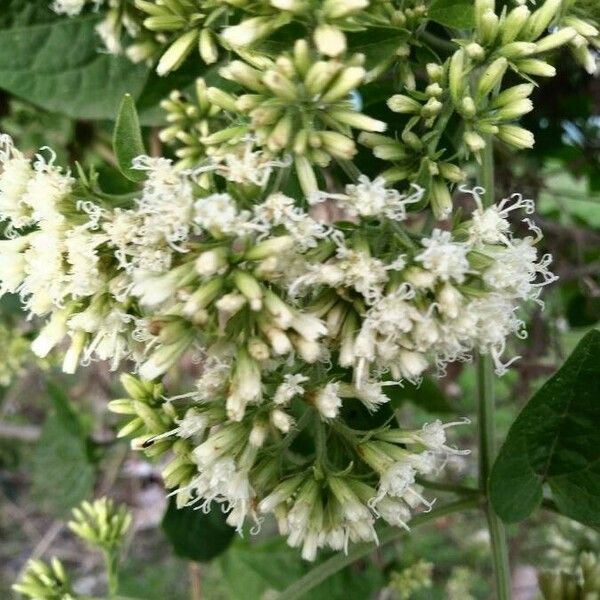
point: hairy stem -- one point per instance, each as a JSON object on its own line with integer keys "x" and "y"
{"x": 111, "y": 559}
{"x": 486, "y": 402}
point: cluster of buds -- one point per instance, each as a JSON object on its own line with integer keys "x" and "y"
{"x": 298, "y": 105}
{"x": 582, "y": 585}
{"x": 41, "y": 581}
{"x": 101, "y": 523}
{"x": 190, "y": 121}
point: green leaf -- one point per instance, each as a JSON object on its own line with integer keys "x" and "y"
{"x": 55, "y": 63}
{"x": 62, "y": 469}
{"x": 427, "y": 395}
{"x": 196, "y": 535}
{"x": 555, "y": 441}
{"x": 127, "y": 139}
{"x": 378, "y": 44}
{"x": 253, "y": 571}
{"x": 452, "y": 13}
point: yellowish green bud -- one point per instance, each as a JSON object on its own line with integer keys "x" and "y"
{"x": 535, "y": 67}
{"x": 329, "y": 40}
{"x": 349, "y": 79}
{"x": 513, "y": 24}
{"x": 516, "y": 136}
{"x": 555, "y": 40}
{"x": 491, "y": 77}
{"x": 399, "y": 103}
{"x": 177, "y": 52}
{"x": 441, "y": 199}
{"x": 207, "y": 47}
{"x": 541, "y": 19}
{"x": 515, "y": 50}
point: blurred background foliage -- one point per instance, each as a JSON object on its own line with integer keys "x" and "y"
{"x": 57, "y": 441}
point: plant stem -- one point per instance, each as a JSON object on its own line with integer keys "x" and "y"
{"x": 486, "y": 402}
{"x": 111, "y": 559}
{"x": 338, "y": 562}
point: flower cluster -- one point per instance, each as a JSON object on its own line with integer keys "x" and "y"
{"x": 295, "y": 321}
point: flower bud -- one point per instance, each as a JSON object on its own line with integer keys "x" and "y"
{"x": 456, "y": 76}
{"x": 474, "y": 141}
{"x": 207, "y": 47}
{"x": 488, "y": 27}
{"x": 338, "y": 145}
{"x": 432, "y": 108}
{"x": 212, "y": 261}
{"x": 329, "y": 40}
{"x": 441, "y": 199}
{"x": 541, "y": 19}
{"x": 358, "y": 120}
{"x": 475, "y": 51}
{"x": 535, "y": 67}
{"x": 515, "y": 109}
{"x": 513, "y": 24}
{"x": 280, "y": 85}
{"x": 257, "y": 349}
{"x": 177, "y": 52}
{"x": 435, "y": 72}
{"x": 336, "y": 9}
{"x": 491, "y": 77}
{"x": 512, "y": 94}
{"x": 349, "y": 79}
{"x": 451, "y": 172}
{"x": 302, "y": 57}
{"x": 221, "y": 99}
{"x": 281, "y": 135}
{"x": 319, "y": 76}
{"x": 250, "y": 288}
{"x": 403, "y": 104}
{"x": 582, "y": 27}
{"x": 555, "y": 40}
{"x": 515, "y": 136}
{"x": 467, "y": 107}
{"x": 243, "y": 74}
{"x": 516, "y": 50}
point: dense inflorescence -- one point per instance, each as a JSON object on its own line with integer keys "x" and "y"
{"x": 304, "y": 287}
{"x": 293, "y": 319}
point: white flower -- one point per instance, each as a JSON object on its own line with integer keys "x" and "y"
{"x": 290, "y": 387}
{"x": 14, "y": 178}
{"x": 327, "y": 400}
{"x": 443, "y": 257}
{"x": 12, "y": 263}
{"x": 218, "y": 214}
{"x": 371, "y": 199}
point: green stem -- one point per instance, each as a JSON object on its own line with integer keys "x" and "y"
{"x": 338, "y": 562}
{"x": 111, "y": 559}
{"x": 486, "y": 402}
{"x": 450, "y": 488}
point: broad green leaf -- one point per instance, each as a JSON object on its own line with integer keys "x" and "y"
{"x": 197, "y": 535}
{"x": 255, "y": 571}
{"x": 555, "y": 441}
{"x": 378, "y": 44}
{"x": 56, "y": 64}
{"x": 427, "y": 395}
{"x": 127, "y": 139}
{"x": 62, "y": 470}
{"x": 452, "y": 13}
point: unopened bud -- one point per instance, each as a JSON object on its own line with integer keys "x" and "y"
{"x": 516, "y": 136}
{"x": 513, "y": 24}
{"x": 492, "y": 76}
{"x": 400, "y": 103}
{"x": 441, "y": 199}
{"x": 177, "y": 52}
{"x": 535, "y": 67}
{"x": 555, "y": 40}
{"x": 329, "y": 40}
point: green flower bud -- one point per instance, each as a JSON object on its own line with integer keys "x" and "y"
{"x": 431, "y": 108}
{"x": 491, "y": 77}
{"x": 400, "y": 103}
{"x": 358, "y": 120}
{"x": 176, "y": 53}
{"x": 221, "y": 99}
{"x": 434, "y": 90}
{"x": 541, "y": 19}
{"x": 441, "y": 199}
{"x": 516, "y": 136}
{"x": 475, "y": 51}
{"x": 306, "y": 175}
{"x": 456, "y": 79}
{"x": 512, "y": 94}
{"x": 555, "y": 40}
{"x": 396, "y": 174}
{"x": 349, "y": 79}
{"x": 474, "y": 141}
{"x": 535, "y": 67}
{"x": 451, "y": 172}
{"x": 207, "y": 47}
{"x": 488, "y": 27}
{"x": 467, "y": 107}
{"x": 435, "y": 72}
{"x": 518, "y": 50}
{"x": 513, "y": 24}
{"x": 338, "y": 145}
{"x": 515, "y": 109}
